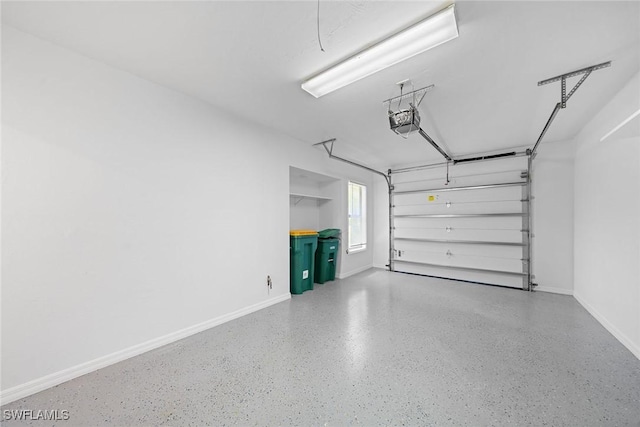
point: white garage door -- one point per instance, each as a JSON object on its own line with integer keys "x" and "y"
{"x": 474, "y": 228}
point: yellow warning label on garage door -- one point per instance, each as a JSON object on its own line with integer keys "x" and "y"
{"x": 432, "y": 198}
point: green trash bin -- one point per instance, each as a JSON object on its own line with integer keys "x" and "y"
{"x": 326, "y": 257}
{"x": 302, "y": 249}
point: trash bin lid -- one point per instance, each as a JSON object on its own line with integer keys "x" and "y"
{"x": 329, "y": 233}
{"x": 303, "y": 233}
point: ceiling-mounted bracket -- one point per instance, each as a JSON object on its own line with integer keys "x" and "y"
{"x": 563, "y": 87}
{"x": 575, "y": 73}
{"x": 329, "y": 149}
{"x": 564, "y": 96}
{"x": 416, "y": 95}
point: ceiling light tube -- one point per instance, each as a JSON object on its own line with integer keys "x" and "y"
{"x": 624, "y": 122}
{"x": 418, "y": 38}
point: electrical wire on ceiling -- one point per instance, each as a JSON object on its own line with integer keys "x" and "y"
{"x": 318, "y": 15}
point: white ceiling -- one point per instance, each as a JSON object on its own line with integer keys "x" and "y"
{"x": 250, "y": 58}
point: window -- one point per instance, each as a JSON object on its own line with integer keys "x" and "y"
{"x": 357, "y": 217}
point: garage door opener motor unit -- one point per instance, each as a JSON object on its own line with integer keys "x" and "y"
{"x": 404, "y": 121}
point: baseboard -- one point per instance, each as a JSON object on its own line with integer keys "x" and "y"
{"x": 352, "y": 272}
{"x": 631, "y": 346}
{"x": 51, "y": 380}
{"x": 553, "y": 290}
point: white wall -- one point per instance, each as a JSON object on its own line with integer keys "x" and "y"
{"x": 607, "y": 218}
{"x": 332, "y": 212}
{"x": 304, "y": 214}
{"x": 132, "y": 214}
{"x": 552, "y": 217}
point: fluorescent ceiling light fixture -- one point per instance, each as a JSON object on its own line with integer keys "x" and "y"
{"x": 418, "y": 38}
{"x": 624, "y": 122}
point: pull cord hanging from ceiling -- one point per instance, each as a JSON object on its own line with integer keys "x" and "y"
{"x": 318, "y": 16}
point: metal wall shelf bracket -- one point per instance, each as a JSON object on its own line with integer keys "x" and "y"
{"x": 300, "y": 197}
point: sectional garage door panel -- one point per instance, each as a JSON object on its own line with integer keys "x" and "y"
{"x": 469, "y": 276}
{"x": 492, "y": 229}
{"x": 492, "y": 257}
{"x": 461, "y": 229}
{"x": 467, "y": 174}
{"x": 473, "y": 229}
{"x": 487, "y": 200}
{"x": 453, "y": 208}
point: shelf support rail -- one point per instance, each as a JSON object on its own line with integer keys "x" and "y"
{"x": 564, "y": 96}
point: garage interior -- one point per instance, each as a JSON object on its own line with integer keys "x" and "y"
{"x": 156, "y": 156}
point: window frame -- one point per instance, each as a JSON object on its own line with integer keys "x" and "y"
{"x": 360, "y": 247}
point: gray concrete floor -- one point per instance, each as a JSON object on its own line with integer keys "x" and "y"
{"x": 379, "y": 348}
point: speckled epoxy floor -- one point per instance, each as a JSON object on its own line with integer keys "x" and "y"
{"x": 376, "y": 349}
